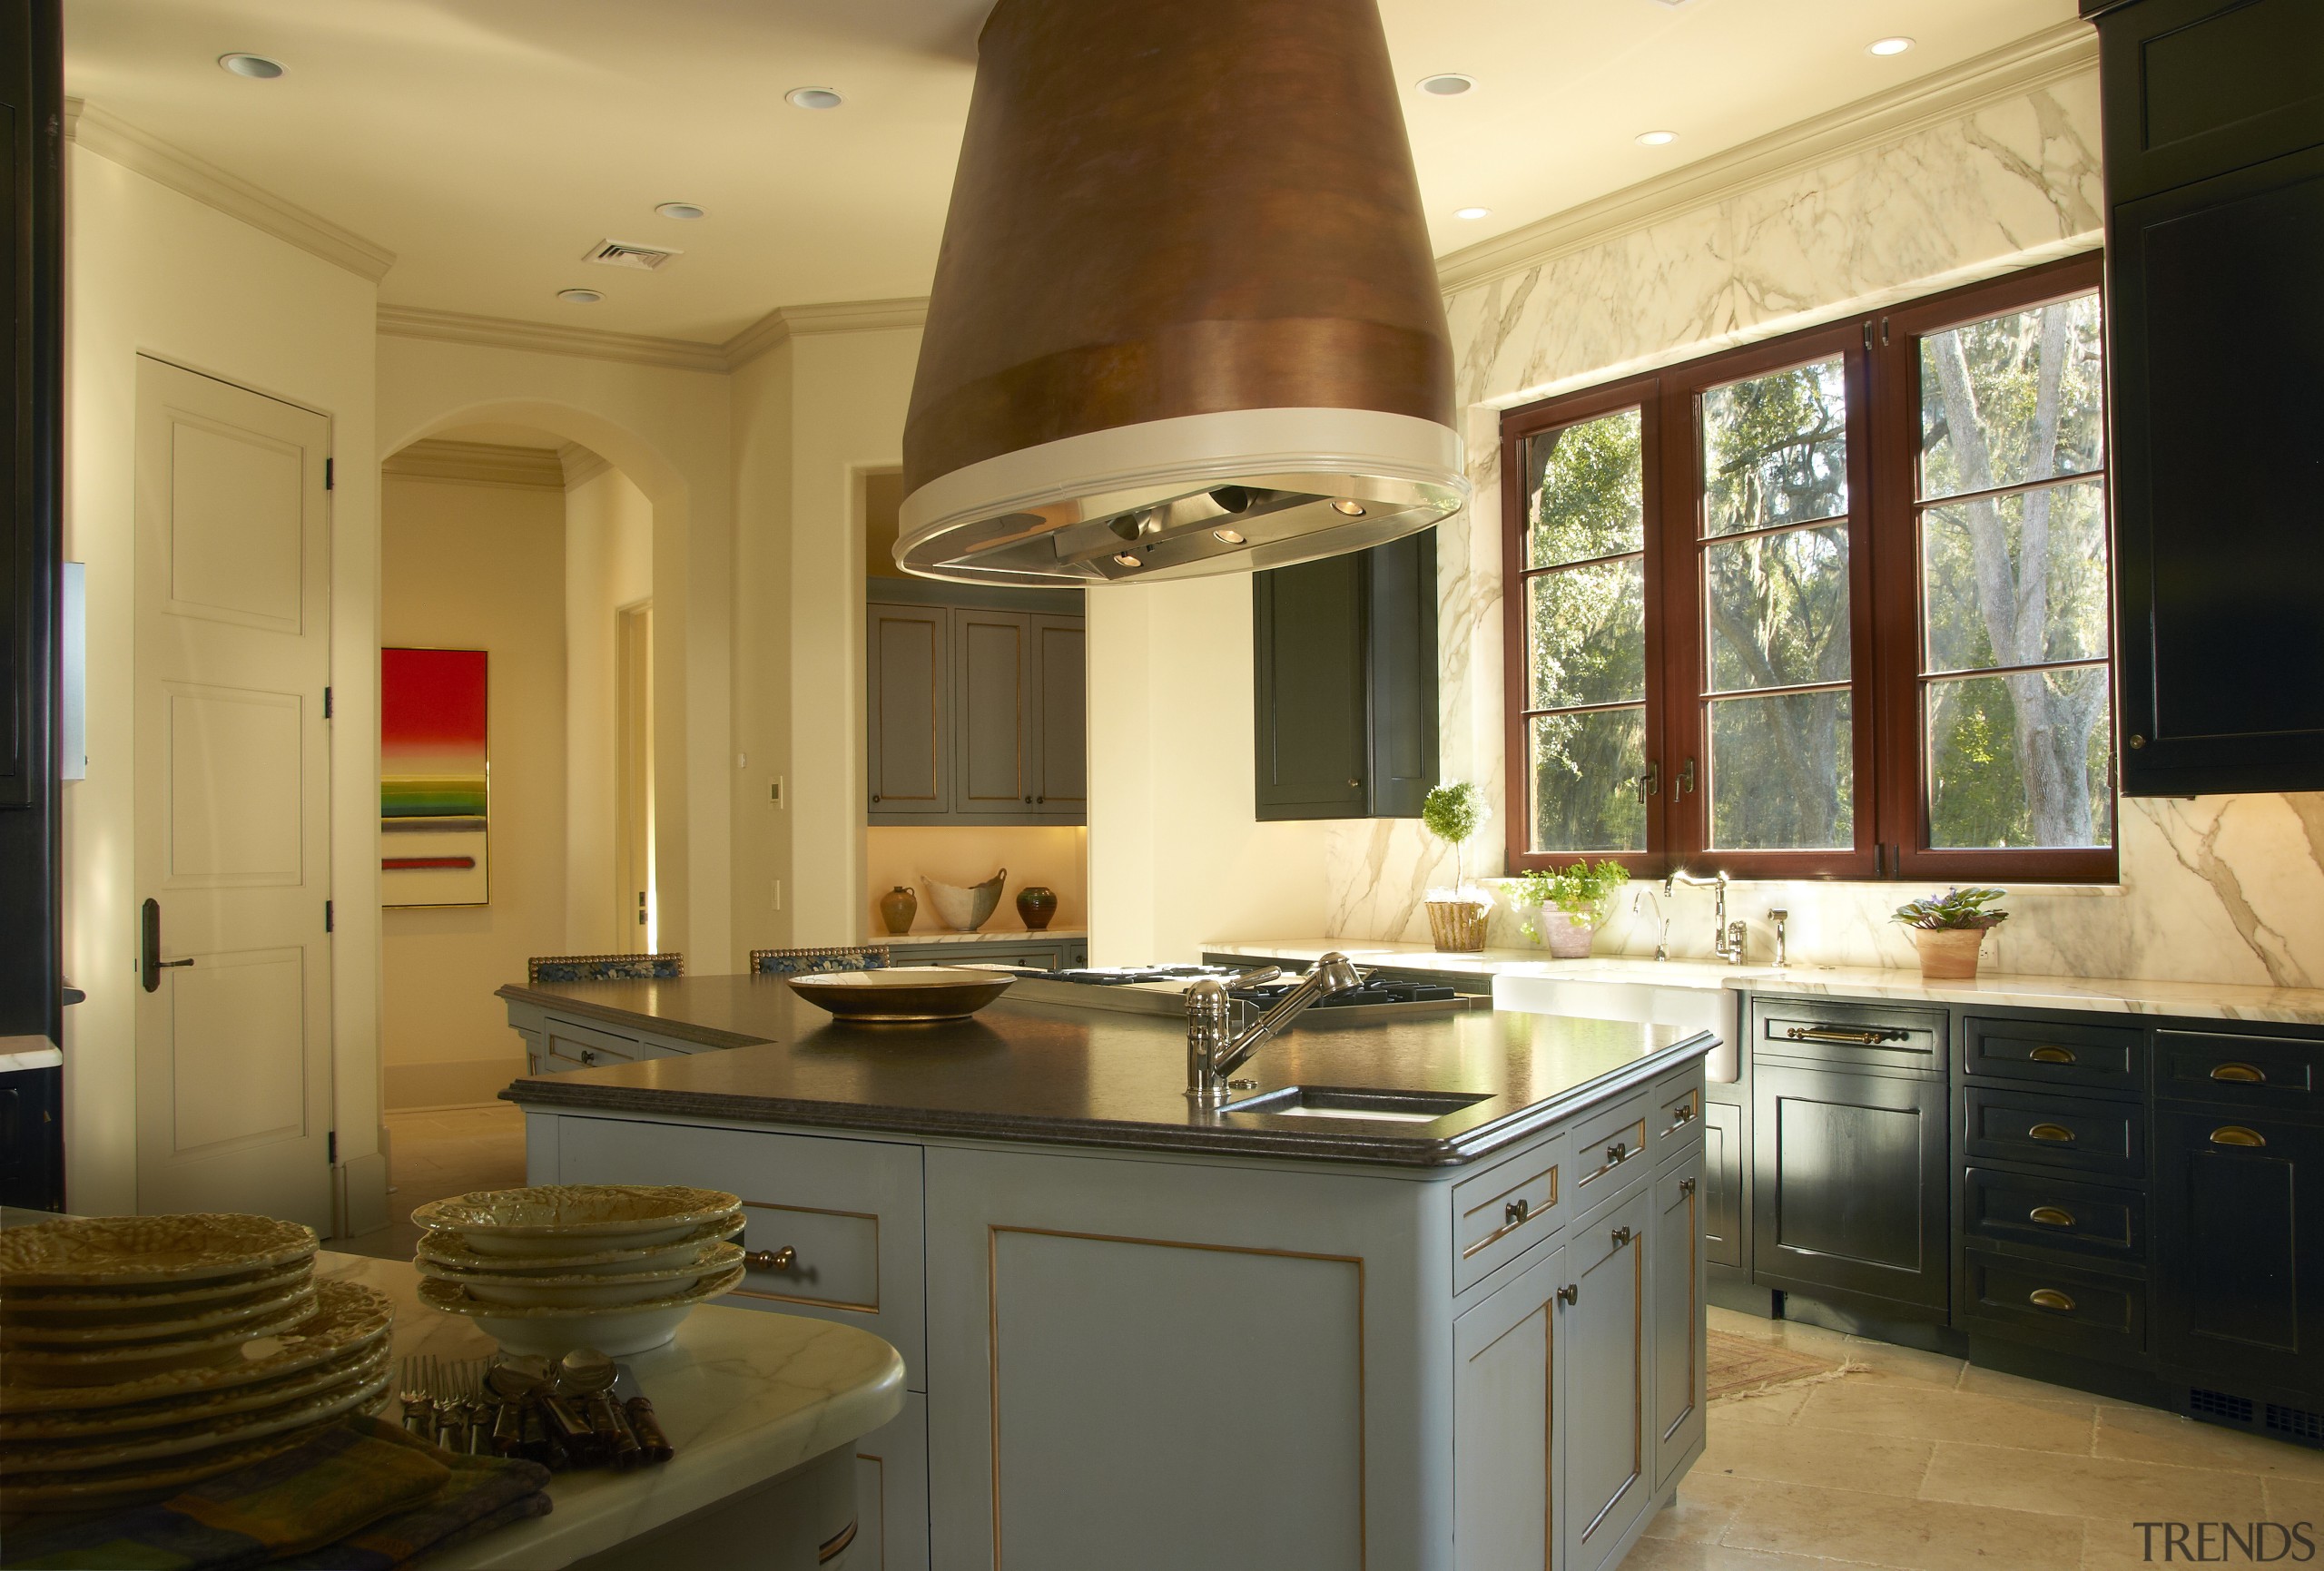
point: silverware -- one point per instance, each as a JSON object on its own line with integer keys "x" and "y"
{"x": 653, "y": 1446}
{"x": 589, "y": 1376}
{"x": 419, "y": 1409}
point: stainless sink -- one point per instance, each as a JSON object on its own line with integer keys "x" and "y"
{"x": 1343, "y": 1102}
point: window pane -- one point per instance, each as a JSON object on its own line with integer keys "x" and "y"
{"x": 2025, "y": 759}
{"x": 1586, "y": 634}
{"x": 1588, "y": 491}
{"x": 1584, "y": 767}
{"x": 2016, "y": 580}
{"x": 1783, "y": 773}
{"x": 1775, "y": 449}
{"x": 2013, "y": 398}
{"x": 1777, "y": 609}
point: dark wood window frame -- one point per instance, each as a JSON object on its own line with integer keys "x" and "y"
{"x": 1880, "y": 353}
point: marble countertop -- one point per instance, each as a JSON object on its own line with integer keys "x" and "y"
{"x": 2095, "y": 995}
{"x": 742, "y": 1394}
{"x": 1061, "y": 1074}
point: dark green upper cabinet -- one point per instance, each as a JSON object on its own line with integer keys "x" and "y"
{"x": 1345, "y": 664}
{"x": 2214, "y": 130}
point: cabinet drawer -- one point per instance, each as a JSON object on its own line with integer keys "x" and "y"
{"x": 2055, "y": 1131}
{"x": 2108, "y": 1057}
{"x": 1606, "y": 1146}
{"x": 848, "y": 1210}
{"x": 2280, "y": 1072}
{"x": 1506, "y": 1210}
{"x": 1677, "y": 1113}
{"x": 2068, "y": 1308}
{"x": 2055, "y": 1214}
{"x": 1863, "y": 1036}
{"x": 569, "y": 1046}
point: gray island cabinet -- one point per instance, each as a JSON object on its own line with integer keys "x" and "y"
{"x": 1140, "y": 1334}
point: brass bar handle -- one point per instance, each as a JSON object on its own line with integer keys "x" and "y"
{"x": 1853, "y": 1037}
{"x": 2050, "y": 1216}
{"x": 2052, "y": 1056}
{"x": 2050, "y": 1298}
{"x": 2241, "y": 1073}
{"x": 1622, "y": 1235}
{"x": 2236, "y": 1134}
{"x": 1516, "y": 1212}
{"x": 1569, "y": 1294}
{"x": 781, "y": 1259}
{"x": 2052, "y": 1134}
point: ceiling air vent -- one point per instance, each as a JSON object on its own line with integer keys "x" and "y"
{"x": 620, "y": 253}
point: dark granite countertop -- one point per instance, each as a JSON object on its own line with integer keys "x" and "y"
{"x": 1062, "y": 1076}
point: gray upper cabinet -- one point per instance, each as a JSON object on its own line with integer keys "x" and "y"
{"x": 1345, "y": 660}
{"x": 977, "y": 712}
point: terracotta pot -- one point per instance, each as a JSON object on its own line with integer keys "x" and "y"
{"x": 1457, "y": 926}
{"x": 1037, "y": 904}
{"x": 1948, "y": 954}
{"x": 1569, "y": 933}
{"x": 898, "y": 907}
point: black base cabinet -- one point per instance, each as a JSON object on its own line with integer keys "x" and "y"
{"x": 2240, "y": 1202}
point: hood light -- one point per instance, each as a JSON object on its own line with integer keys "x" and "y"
{"x": 1353, "y": 509}
{"x": 1227, "y": 537}
{"x": 1124, "y": 559}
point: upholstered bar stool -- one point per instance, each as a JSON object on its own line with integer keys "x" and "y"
{"x": 800, "y": 962}
{"x": 542, "y": 968}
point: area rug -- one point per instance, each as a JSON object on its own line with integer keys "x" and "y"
{"x": 1739, "y": 1367}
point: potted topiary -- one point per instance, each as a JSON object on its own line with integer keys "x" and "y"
{"x": 1455, "y": 812}
{"x": 1572, "y": 901}
{"x": 1947, "y": 928}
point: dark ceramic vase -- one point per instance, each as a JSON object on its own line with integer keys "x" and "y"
{"x": 898, "y": 907}
{"x": 1037, "y": 904}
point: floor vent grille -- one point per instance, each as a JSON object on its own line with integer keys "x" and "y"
{"x": 2219, "y": 1405}
{"x": 2298, "y": 1422}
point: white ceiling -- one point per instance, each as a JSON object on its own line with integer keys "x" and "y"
{"x": 489, "y": 143}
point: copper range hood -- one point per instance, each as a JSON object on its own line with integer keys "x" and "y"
{"x": 1185, "y": 320}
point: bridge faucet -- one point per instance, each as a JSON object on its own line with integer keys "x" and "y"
{"x": 1725, "y": 941}
{"x": 1214, "y": 1050}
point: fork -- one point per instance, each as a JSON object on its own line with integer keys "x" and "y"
{"x": 419, "y": 1414}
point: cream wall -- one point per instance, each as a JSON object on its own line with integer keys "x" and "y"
{"x": 152, "y": 271}
{"x": 468, "y": 565}
{"x": 608, "y": 555}
{"x": 667, "y": 429}
{"x": 1056, "y": 854}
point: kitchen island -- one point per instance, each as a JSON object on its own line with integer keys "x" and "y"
{"x": 1455, "y": 1319}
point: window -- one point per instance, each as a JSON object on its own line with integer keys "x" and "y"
{"x": 1833, "y": 606}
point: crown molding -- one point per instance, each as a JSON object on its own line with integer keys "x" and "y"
{"x": 115, "y": 139}
{"x": 786, "y": 322}
{"x": 541, "y": 337}
{"x": 478, "y": 464}
{"x": 581, "y": 464}
{"x": 2068, "y": 49}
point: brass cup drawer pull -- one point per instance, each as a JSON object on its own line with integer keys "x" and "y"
{"x": 2050, "y": 1298}
{"x": 2241, "y": 1073}
{"x": 1516, "y": 1212}
{"x": 2052, "y": 1134}
{"x": 2236, "y": 1134}
{"x": 781, "y": 1259}
{"x": 2052, "y": 1056}
{"x": 1621, "y": 1236}
{"x": 2050, "y": 1216}
{"x": 1853, "y": 1037}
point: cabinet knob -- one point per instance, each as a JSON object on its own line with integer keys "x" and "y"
{"x": 2241, "y": 1073}
{"x": 1352, "y": 784}
{"x": 1687, "y": 1187}
{"x": 2052, "y": 1056}
{"x": 1621, "y": 1236}
{"x": 2236, "y": 1134}
{"x": 876, "y": 796}
{"x": 1617, "y": 1154}
{"x": 1516, "y": 1211}
{"x": 781, "y": 1259}
{"x": 1570, "y": 1293}
{"x": 2050, "y": 1298}
{"x": 2052, "y": 1134}
{"x": 2050, "y": 1216}
{"x": 1684, "y": 1114}
{"x": 588, "y": 1054}
{"x": 2137, "y": 741}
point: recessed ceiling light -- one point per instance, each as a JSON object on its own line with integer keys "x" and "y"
{"x": 1447, "y": 84}
{"x": 1353, "y": 509}
{"x": 679, "y": 209}
{"x": 813, "y": 98}
{"x": 579, "y": 297}
{"x": 1227, "y": 537}
{"x": 1472, "y": 212}
{"x": 1657, "y": 138}
{"x": 257, "y": 67}
{"x": 1889, "y": 46}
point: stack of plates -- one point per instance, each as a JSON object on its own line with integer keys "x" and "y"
{"x": 144, "y": 1353}
{"x": 559, "y": 1266}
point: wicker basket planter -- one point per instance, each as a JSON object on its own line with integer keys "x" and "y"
{"x": 1457, "y": 926}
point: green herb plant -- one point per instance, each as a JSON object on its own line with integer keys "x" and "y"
{"x": 1580, "y": 889}
{"x": 1954, "y": 911}
{"x": 1453, "y": 813}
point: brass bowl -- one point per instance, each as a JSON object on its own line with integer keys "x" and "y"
{"x": 902, "y": 994}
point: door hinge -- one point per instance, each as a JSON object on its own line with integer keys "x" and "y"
{"x": 326, "y": 916}
{"x": 331, "y": 475}
{"x": 331, "y": 1147}
{"x": 326, "y": 703}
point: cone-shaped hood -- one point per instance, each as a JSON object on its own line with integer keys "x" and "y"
{"x": 1185, "y": 319}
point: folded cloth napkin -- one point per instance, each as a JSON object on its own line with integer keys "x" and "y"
{"x": 350, "y": 1477}
{"x": 483, "y": 1494}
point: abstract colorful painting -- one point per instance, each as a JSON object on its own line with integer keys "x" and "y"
{"x": 434, "y": 795}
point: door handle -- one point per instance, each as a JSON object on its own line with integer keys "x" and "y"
{"x": 2052, "y": 1134}
{"x": 2241, "y": 1073}
{"x": 149, "y": 964}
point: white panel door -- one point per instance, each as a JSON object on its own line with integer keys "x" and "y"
{"x": 233, "y": 652}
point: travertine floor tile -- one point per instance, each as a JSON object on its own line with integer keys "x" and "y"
{"x": 1780, "y": 1406}
{"x": 2096, "y": 1486}
{"x": 2297, "y": 1500}
{"x": 1881, "y": 1404}
{"x": 1905, "y": 1363}
{"x": 1813, "y": 1341}
{"x": 1876, "y": 1464}
{"x": 1707, "y": 1503}
{"x": 2146, "y": 1435}
{"x": 1666, "y": 1555}
{"x": 1917, "y": 1534}
{"x": 1994, "y": 1383}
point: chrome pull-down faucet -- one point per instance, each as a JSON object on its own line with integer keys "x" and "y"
{"x": 1726, "y": 941}
{"x": 1214, "y": 1049}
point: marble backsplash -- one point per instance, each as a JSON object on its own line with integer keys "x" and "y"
{"x": 2227, "y": 889}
